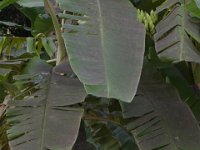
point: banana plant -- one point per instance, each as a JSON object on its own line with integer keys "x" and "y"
{"x": 100, "y": 51}
{"x": 17, "y": 140}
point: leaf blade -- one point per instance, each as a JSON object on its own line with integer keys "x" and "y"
{"x": 154, "y": 122}
{"x": 173, "y": 41}
{"x": 105, "y": 46}
{"x": 48, "y": 119}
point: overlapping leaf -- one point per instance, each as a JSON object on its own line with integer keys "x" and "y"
{"x": 179, "y": 76}
{"x": 49, "y": 118}
{"x": 158, "y": 119}
{"x": 103, "y": 46}
{"x": 174, "y": 33}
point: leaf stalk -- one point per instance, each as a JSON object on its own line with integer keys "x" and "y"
{"x": 61, "y": 51}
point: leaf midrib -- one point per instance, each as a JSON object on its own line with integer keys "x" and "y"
{"x": 101, "y": 26}
{"x": 183, "y": 33}
{"x": 45, "y": 114}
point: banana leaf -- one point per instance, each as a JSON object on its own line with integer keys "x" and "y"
{"x": 50, "y": 117}
{"x": 105, "y": 45}
{"x": 173, "y": 39}
{"x": 158, "y": 118}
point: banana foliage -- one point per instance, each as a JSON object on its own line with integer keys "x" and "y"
{"x": 175, "y": 33}
{"x": 105, "y": 44}
{"x": 49, "y": 118}
{"x": 102, "y": 46}
{"x": 157, "y": 116}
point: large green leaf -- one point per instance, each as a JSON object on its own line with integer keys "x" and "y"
{"x": 49, "y": 118}
{"x": 174, "y": 32}
{"x": 158, "y": 118}
{"x": 106, "y": 49}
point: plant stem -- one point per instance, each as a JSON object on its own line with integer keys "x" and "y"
{"x": 61, "y": 51}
